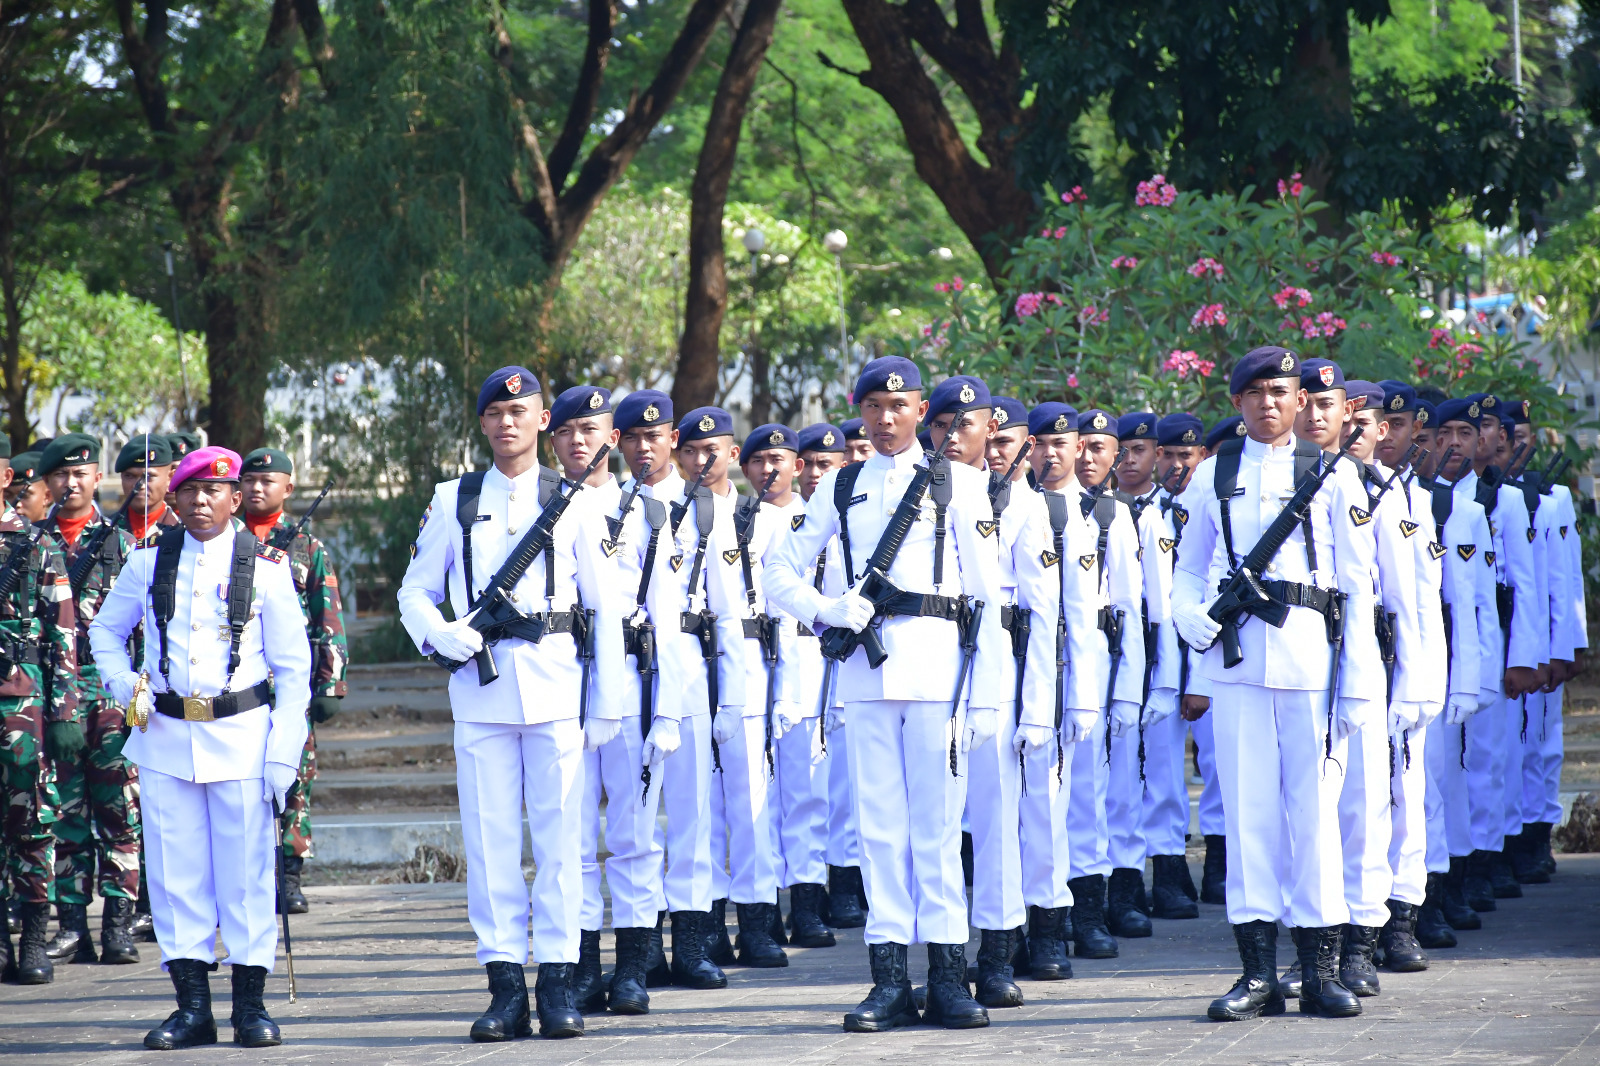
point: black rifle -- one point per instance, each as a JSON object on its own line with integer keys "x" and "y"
{"x": 1242, "y": 592}
{"x": 1112, "y": 621}
{"x": 1385, "y": 484}
{"x": 1174, "y": 477}
{"x": 285, "y": 537}
{"x": 11, "y": 573}
{"x": 765, "y": 626}
{"x": 1493, "y": 477}
{"x": 494, "y": 608}
{"x": 971, "y": 617}
{"x": 681, "y": 507}
{"x": 89, "y": 554}
{"x": 644, "y": 652}
{"x": 1096, "y": 491}
{"x": 839, "y": 643}
{"x": 997, "y": 483}
{"x": 1554, "y": 477}
{"x": 614, "y": 522}
{"x": 583, "y": 631}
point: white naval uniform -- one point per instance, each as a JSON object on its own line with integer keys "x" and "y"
{"x": 1530, "y": 721}
{"x": 898, "y": 717}
{"x": 1166, "y": 786}
{"x": 1280, "y": 765}
{"x": 1542, "y": 751}
{"x": 518, "y": 740}
{"x": 208, "y": 831}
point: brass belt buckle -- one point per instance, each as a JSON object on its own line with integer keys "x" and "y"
{"x": 197, "y": 709}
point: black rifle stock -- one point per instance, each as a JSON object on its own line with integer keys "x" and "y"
{"x": 681, "y": 507}
{"x": 283, "y": 538}
{"x": 89, "y": 554}
{"x": 614, "y": 522}
{"x": 997, "y": 483}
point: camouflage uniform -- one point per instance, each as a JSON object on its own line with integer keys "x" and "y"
{"x": 318, "y": 586}
{"x": 37, "y": 622}
{"x": 99, "y": 815}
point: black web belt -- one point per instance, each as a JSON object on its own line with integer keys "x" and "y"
{"x": 533, "y": 627}
{"x": 211, "y": 708}
{"x": 1296, "y": 594}
{"x": 922, "y": 605}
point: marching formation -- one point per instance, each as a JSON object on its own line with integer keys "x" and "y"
{"x": 923, "y": 685}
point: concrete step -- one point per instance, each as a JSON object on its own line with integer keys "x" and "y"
{"x": 432, "y": 747}
{"x": 377, "y": 790}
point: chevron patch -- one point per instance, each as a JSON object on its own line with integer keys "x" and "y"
{"x": 1048, "y": 558}
{"x": 1358, "y": 516}
{"x": 1086, "y": 561}
{"x": 609, "y": 547}
{"x": 1435, "y": 550}
{"x": 1563, "y": 532}
{"x": 730, "y": 556}
{"x": 1408, "y": 528}
{"x": 1466, "y": 551}
{"x": 1488, "y": 558}
{"x": 988, "y": 529}
{"x": 1531, "y": 534}
{"x": 797, "y": 521}
{"x": 1166, "y": 545}
{"x": 676, "y": 562}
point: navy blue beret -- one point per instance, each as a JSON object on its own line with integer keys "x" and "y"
{"x": 891, "y": 373}
{"x": 647, "y": 407}
{"x": 1321, "y": 375}
{"x": 1398, "y": 397}
{"x": 1266, "y": 362}
{"x": 580, "y": 401}
{"x": 1095, "y": 420}
{"x": 853, "y": 429}
{"x": 1053, "y": 416}
{"x": 1517, "y": 411}
{"x": 1488, "y": 402}
{"x": 704, "y": 422}
{"x": 1232, "y": 426}
{"x": 1465, "y": 410}
{"x": 1179, "y": 430}
{"x": 1356, "y": 389}
{"x": 1507, "y": 423}
{"x": 507, "y": 383}
{"x": 955, "y": 395}
{"x": 1427, "y": 415}
{"x": 1137, "y": 425}
{"x": 821, "y": 437}
{"x": 1009, "y": 412}
{"x": 771, "y": 435}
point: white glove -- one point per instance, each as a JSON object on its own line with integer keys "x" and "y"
{"x": 1459, "y": 707}
{"x": 1079, "y": 724}
{"x": 727, "y": 725}
{"x": 1351, "y": 716}
{"x": 1430, "y": 711}
{"x": 785, "y": 716}
{"x": 982, "y": 724}
{"x": 1031, "y": 739}
{"x": 663, "y": 740}
{"x": 849, "y": 611}
{"x": 1195, "y": 626}
{"x": 121, "y": 688}
{"x": 598, "y": 732}
{"x": 1124, "y": 717}
{"x": 833, "y": 721}
{"x": 277, "y": 780}
{"x": 1162, "y": 704}
{"x": 456, "y": 640}
{"x": 1403, "y": 715}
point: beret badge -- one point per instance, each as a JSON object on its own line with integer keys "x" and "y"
{"x": 707, "y": 424}
{"x": 651, "y": 413}
{"x": 514, "y": 384}
{"x": 895, "y": 382}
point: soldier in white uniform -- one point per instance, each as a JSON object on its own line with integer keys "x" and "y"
{"x": 857, "y": 443}
{"x": 911, "y": 722}
{"x": 519, "y": 738}
{"x": 1284, "y": 711}
{"x": 221, "y": 709}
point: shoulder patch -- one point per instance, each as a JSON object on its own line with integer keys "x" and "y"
{"x": 608, "y": 548}
{"x": 1466, "y": 551}
{"x": 1358, "y": 516}
{"x": 1531, "y": 534}
{"x": 1166, "y": 545}
{"x": 1182, "y": 515}
{"x": 1048, "y": 558}
{"x": 797, "y": 521}
{"x": 1086, "y": 561}
{"x": 413, "y": 549}
{"x": 988, "y": 529}
{"x": 676, "y": 562}
{"x": 1408, "y": 528}
{"x": 271, "y": 554}
{"x": 1488, "y": 558}
{"x": 730, "y": 556}
{"x": 1435, "y": 549}
{"x": 1563, "y": 532}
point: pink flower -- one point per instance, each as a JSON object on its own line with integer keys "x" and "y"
{"x": 1124, "y": 262}
{"x": 1437, "y": 336}
{"x": 1093, "y": 316}
{"x": 1072, "y": 381}
{"x": 1155, "y": 193}
{"x": 1184, "y": 363}
{"x": 1074, "y": 195}
{"x": 1282, "y": 297}
{"x": 1045, "y": 232}
{"x": 1028, "y": 304}
{"x": 1061, "y": 231}
{"x": 1204, "y": 265}
{"x": 1387, "y": 259}
{"x": 1294, "y": 187}
{"x": 957, "y": 283}
{"x": 1209, "y": 315}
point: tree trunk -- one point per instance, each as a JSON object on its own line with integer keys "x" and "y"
{"x": 760, "y": 381}
{"x": 706, "y": 302}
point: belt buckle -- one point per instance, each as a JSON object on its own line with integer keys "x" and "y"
{"x": 197, "y": 709}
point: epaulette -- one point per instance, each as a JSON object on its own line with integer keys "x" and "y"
{"x": 269, "y": 553}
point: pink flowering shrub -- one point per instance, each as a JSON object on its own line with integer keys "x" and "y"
{"x": 1209, "y": 315}
{"x": 1156, "y": 192}
{"x": 1205, "y": 265}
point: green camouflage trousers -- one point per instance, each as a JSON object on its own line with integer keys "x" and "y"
{"x": 99, "y": 817}
{"x": 297, "y": 808}
{"x": 28, "y": 780}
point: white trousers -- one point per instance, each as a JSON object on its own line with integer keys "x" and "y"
{"x": 500, "y": 769}
{"x": 844, "y": 840}
{"x": 1125, "y": 845}
{"x": 801, "y": 824}
{"x": 1087, "y": 837}
{"x": 1408, "y": 825}
{"x": 1280, "y": 796}
{"x": 686, "y": 788}
{"x": 633, "y": 869}
{"x": 208, "y": 853}
{"x": 743, "y": 797}
{"x": 1213, "y": 822}
{"x": 1488, "y": 751}
{"x": 1365, "y": 824}
{"x": 993, "y": 817}
{"x": 1046, "y": 858}
{"x": 1166, "y": 789}
{"x": 1522, "y": 721}
{"x": 908, "y": 810}
{"x": 1542, "y": 753}
{"x": 1449, "y": 814}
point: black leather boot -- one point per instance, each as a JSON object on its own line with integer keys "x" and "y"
{"x": 1523, "y": 851}
{"x": 756, "y": 946}
{"x": 1214, "y": 878}
{"x": 116, "y": 932}
{"x": 628, "y": 981}
{"x": 690, "y": 966}
{"x": 1047, "y": 944}
{"x": 1542, "y": 850}
{"x": 72, "y": 940}
{"x": 1431, "y": 928}
{"x": 1356, "y": 971}
{"x": 1256, "y": 992}
{"x": 844, "y": 906}
{"x": 1090, "y": 937}
{"x": 658, "y": 972}
{"x": 1289, "y": 983}
{"x": 997, "y": 984}
{"x": 1171, "y": 898}
{"x": 144, "y": 927}
{"x": 888, "y": 1005}
{"x": 1185, "y": 880}
{"x": 293, "y": 866}
{"x": 1123, "y": 916}
{"x": 507, "y": 1017}
{"x": 1502, "y": 880}
{"x": 1398, "y": 950}
{"x": 14, "y": 915}
{"x": 588, "y": 986}
{"x": 780, "y": 933}
{"x": 192, "y": 1023}
{"x": 252, "y": 1025}
{"x": 8, "y": 958}
{"x": 555, "y": 1002}
{"x": 1321, "y": 991}
{"x": 719, "y": 949}
{"x": 1457, "y": 911}
{"x": 1475, "y": 884}
{"x": 950, "y": 1004}
{"x": 33, "y": 962}
{"x": 806, "y": 929}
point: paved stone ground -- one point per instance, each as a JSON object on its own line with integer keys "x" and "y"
{"x": 386, "y": 975}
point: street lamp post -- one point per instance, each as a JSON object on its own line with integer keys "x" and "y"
{"x": 834, "y": 242}
{"x": 177, "y": 322}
